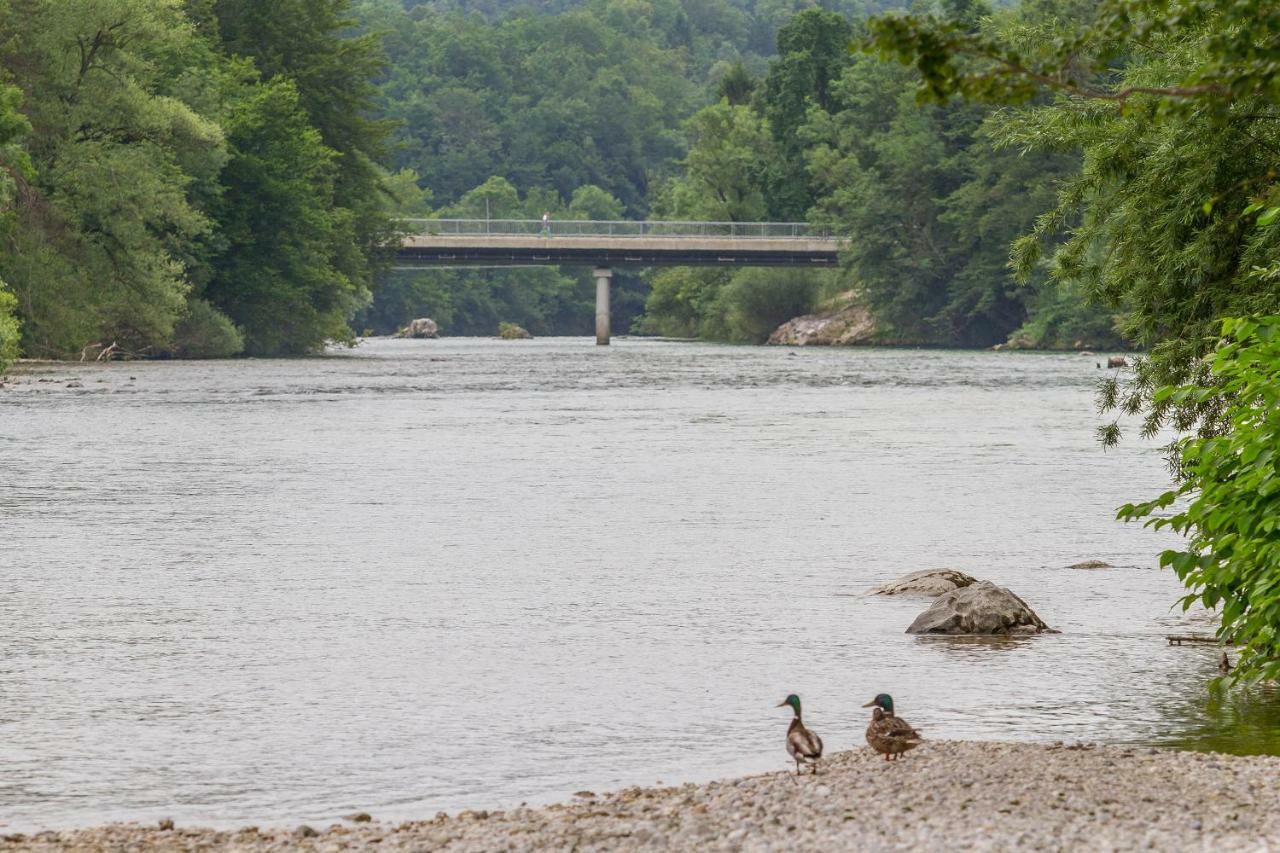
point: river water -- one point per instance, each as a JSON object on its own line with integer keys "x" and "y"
{"x": 442, "y": 574}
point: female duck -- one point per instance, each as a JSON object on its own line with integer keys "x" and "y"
{"x": 803, "y": 746}
{"x": 887, "y": 733}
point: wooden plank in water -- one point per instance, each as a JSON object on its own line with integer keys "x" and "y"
{"x": 1179, "y": 639}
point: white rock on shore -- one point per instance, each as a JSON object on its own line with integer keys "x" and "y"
{"x": 842, "y": 322}
{"x": 423, "y": 327}
{"x": 947, "y": 795}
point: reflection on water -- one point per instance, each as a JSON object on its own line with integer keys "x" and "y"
{"x": 439, "y": 574}
{"x": 1239, "y": 720}
{"x": 974, "y": 648}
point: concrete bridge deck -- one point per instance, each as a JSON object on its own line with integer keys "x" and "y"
{"x": 605, "y": 245}
{"x": 455, "y": 242}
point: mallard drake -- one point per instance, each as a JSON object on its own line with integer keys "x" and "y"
{"x": 803, "y": 746}
{"x": 889, "y": 734}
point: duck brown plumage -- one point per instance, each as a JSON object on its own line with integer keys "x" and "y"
{"x": 888, "y": 733}
{"x": 803, "y": 745}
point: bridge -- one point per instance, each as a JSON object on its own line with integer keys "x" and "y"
{"x": 604, "y": 245}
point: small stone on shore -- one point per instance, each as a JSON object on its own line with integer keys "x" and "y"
{"x": 946, "y": 795}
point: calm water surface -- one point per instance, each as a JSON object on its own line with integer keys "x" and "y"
{"x": 431, "y": 575}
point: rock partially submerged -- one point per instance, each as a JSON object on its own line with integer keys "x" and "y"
{"x": 1091, "y": 564}
{"x": 842, "y": 322}
{"x": 423, "y": 327}
{"x": 512, "y": 332}
{"x": 929, "y": 582}
{"x": 980, "y": 608}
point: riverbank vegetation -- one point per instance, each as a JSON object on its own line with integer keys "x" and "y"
{"x": 194, "y": 178}
{"x": 728, "y": 112}
{"x": 186, "y": 178}
{"x": 1174, "y": 219}
{"x": 209, "y": 177}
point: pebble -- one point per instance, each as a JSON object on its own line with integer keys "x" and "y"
{"x": 1030, "y": 797}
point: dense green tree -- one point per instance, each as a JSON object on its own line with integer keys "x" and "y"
{"x": 735, "y": 84}
{"x": 589, "y": 96}
{"x": 741, "y": 306}
{"x": 1179, "y": 162}
{"x": 1228, "y": 501}
{"x": 932, "y": 198}
{"x": 9, "y": 329}
{"x": 254, "y": 213}
{"x": 314, "y": 44}
{"x": 1174, "y": 218}
{"x": 885, "y": 175}
{"x": 724, "y": 172}
{"x": 683, "y": 303}
{"x": 1160, "y": 220}
{"x": 813, "y": 51}
{"x": 13, "y": 164}
{"x": 105, "y": 219}
{"x": 280, "y": 274}
{"x": 592, "y": 202}
{"x": 757, "y": 301}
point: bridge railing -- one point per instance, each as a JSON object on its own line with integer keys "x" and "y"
{"x": 618, "y": 228}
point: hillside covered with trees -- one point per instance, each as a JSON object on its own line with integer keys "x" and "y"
{"x": 209, "y": 177}
{"x": 192, "y": 178}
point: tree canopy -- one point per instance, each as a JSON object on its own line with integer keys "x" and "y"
{"x": 1172, "y": 218}
{"x": 143, "y": 137}
{"x": 209, "y": 177}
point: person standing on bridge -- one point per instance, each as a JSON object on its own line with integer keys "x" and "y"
{"x": 546, "y": 223}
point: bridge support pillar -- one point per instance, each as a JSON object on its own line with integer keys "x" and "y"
{"x": 603, "y": 276}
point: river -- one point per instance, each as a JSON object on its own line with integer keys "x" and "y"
{"x": 424, "y": 575}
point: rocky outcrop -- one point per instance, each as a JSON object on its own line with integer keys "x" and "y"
{"x": 930, "y": 583}
{"x": 842, "y": 322}
{"x": 980, "y": 608}
{"x": 512, "y": 332}
{"x": 423, "y": 327}
{"x": 1091, "y": 564}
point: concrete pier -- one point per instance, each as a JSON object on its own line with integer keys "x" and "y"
{"x": 603, "y": 276}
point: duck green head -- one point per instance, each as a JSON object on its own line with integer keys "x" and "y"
{"x": 883, "y": 701}
{"x": 794, "y": 701}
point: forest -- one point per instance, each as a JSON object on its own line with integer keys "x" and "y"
{"x": 205, "y": 178}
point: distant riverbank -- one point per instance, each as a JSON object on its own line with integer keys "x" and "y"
{"x": 947, "y": 795}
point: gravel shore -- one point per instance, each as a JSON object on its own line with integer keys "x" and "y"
{"x": 946, "y": 795}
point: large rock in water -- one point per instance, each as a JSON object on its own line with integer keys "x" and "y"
{"x": 843, "y": 322}
{"x": 423, "y": 327}
{"x": 980, "y": 608}
{"x": 930, "y": 582}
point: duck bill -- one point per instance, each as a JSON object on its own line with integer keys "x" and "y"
{"x": 869, "y": 704}
{"x": 780, "y": 704}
